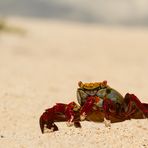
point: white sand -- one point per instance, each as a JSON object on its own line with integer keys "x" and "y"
{"x": 43, "y": 67}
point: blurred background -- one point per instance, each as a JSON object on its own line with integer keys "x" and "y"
{"x": 123, "y": 12}
{"x": 71, "y": 40}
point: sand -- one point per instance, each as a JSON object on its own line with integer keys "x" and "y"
{"x": 43, "y": 66}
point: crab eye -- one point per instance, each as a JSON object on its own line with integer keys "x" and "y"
{"x": 108, "y": 91}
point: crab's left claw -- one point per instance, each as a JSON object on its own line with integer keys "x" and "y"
{"x": 60, "y": 112}
{"x": 47, "y": 119}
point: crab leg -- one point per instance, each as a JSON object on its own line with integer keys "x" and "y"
{"x": 107, "y": 106}
{"x": 134, "y": 108}
{"x": 130, "y": 108}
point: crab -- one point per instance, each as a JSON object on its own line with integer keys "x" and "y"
{"x": 98, "y": 102}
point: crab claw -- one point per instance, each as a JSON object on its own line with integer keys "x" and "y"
{"x": 60, "y": 112}
{"x": 47, "y": 119}
{"x": 51, "y": 115}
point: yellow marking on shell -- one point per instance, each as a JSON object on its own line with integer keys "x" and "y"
{"x": 92, "y": 85}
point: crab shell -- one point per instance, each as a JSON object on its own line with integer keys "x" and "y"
{"x": 99, "y": 89}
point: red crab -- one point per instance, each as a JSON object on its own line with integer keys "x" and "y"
{"x": 98, "y": 102}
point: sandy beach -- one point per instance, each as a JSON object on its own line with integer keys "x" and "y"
{"x": 43, "y": 66}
